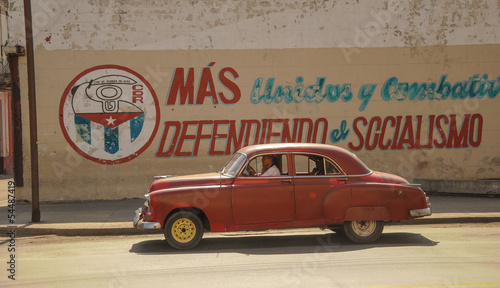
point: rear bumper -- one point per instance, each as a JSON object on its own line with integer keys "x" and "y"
{"x": 141, "y": 225}
{"x": 422, "y": 212}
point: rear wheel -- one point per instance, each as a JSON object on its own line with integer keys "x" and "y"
{"x": 363, "y": 231}
{"x": 183, "y": 230}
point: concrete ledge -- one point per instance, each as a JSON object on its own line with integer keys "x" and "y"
{"x": 472, "y": 187}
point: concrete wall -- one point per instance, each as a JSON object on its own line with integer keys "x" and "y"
{"x": 467, "y": 187}
{"x": 410, "y": 86}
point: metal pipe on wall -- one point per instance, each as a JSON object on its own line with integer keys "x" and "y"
{"x": 35, "y": 195}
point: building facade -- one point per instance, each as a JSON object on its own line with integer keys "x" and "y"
{"x": 127, "y": 90}
{"x": 6, "y": 149}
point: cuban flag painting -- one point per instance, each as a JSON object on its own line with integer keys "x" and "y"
{"x": 99, "y": 101}
{"x": 109, "y": 116}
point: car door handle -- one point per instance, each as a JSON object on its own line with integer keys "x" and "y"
{"x": 286, "y": 180}
{"x": 343, "y": 179}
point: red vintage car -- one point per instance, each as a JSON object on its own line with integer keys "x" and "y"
{"x": 275, "y": 186}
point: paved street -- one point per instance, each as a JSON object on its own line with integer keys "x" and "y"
{"x": 447, "y": 255}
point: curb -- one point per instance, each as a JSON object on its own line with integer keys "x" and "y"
{"x": 450, "y": 220}
{"x": 123, "y": 231}
{"x": 33, "y": 231}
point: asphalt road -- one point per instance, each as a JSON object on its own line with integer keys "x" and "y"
{"x": 405, "y": 256}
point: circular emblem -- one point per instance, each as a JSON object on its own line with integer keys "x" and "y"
{"x": 109, "y": 114}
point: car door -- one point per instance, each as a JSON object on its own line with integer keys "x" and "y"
{"x": 263, "y": 199}
{"x": 314, "y": 176}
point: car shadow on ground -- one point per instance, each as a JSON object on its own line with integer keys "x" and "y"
{"x": 282, "y": 244}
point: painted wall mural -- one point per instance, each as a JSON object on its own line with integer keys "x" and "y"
{"x": 110, "y": 114}
{"x": 412, "y": 90}
{"x": 475, "y": 87}
{"x": 405, "y": 134}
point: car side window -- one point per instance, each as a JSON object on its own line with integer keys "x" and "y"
{"x": 314, "y": 165}
{"x": 331, "y": 169}
{"x": 302, "y": 165}
{"x": 259, "y": 165}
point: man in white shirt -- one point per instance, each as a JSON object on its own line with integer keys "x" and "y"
{"x": 272, "y": 171}
{"x": 269, "y": 167}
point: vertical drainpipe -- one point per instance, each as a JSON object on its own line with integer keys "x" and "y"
{"x": 35, "y": 195}
{"x": 17, "y": 132}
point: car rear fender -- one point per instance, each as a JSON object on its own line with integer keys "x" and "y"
{"x": 336, "y": 202}
{"x": 388, "y": 200}
{"x": 377, "y": 213}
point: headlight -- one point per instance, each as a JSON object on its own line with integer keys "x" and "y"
{"x": 147, "y": 203}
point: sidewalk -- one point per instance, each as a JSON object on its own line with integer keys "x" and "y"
{"x": 114, "y": 217}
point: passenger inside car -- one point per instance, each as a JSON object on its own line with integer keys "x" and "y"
{"x": 320, "y": 167}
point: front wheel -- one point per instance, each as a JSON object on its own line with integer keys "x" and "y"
{"x": 183, "y": 230}
{"x": 363, "y": 231}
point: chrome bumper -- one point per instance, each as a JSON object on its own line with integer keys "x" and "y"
{"x": 141, "y": 225}
{"x": 422, "y": 212}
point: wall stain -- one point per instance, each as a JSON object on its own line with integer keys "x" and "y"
{"x": 421, "y": 23}
{"x": 488, "y": 166}
{"x": 438, "y": 18}
{"x": 445, "y": 170}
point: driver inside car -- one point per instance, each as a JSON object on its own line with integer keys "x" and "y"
{"x": 269, "y": 167}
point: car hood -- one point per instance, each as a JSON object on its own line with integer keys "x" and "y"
{"x": 196, "y": 180}
{"x": 390, "y": 178}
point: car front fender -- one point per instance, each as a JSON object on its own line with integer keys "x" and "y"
{"x": 167, "y": 200}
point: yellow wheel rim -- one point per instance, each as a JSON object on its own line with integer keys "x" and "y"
{"x": 183, "y": 230}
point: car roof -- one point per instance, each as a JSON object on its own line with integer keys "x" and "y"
{"x": 346, "y": 159}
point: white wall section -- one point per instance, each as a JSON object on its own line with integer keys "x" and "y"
{"x": 233, "y": 24}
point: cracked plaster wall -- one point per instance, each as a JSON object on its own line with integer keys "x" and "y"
{"x": 421, "y": 41}
{"x": 232, "y": 24}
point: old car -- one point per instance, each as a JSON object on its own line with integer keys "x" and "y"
{"x": 311, "y": 185}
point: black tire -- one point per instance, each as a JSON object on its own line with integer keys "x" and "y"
{"x": 183, "y": 230}
{"x": 363, "y": 231}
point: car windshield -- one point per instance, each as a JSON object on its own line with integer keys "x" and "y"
{"x": 234, "y": 164}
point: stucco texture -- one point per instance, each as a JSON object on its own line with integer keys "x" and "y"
{"x": 411, "y": 87}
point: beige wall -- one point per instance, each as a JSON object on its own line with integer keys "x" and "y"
{"x": 350, "y": 45}
{"x": 67, "y": 175}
